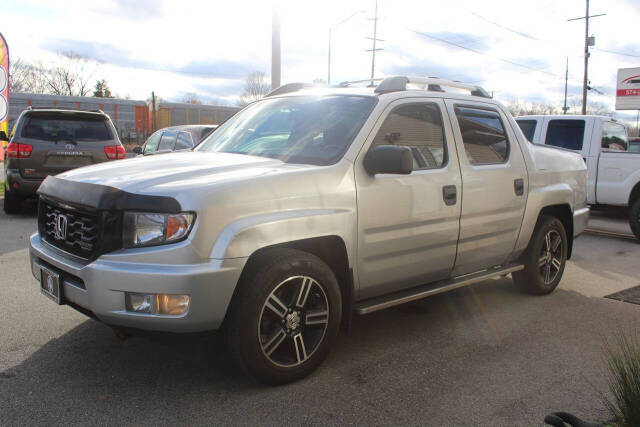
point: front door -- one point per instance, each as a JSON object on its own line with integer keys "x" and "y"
{"x": 494, "y": 182}
{"x": 407, "y": 232}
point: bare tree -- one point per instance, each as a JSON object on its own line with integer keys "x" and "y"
{"x": 520, "y": 108}
{"x": 27, "y": 77}
{"x": 71, "y": 75}
{"x": 256, "y": 87}
{"x": 191, "y": 98}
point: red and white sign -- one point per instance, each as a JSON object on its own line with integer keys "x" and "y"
{"x": 628, "y": 91}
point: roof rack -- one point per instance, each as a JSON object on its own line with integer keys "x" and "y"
{"x": 392, "y": 84}
{"x": 81, "y": 110}
{"x": 399, "y": 83}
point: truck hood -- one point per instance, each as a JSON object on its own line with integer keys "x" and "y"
{"x": 169, "y": 173}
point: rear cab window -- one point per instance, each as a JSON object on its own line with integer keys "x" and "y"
{"x": 56, "y": 127}
{"x": 483, "y": 135}
{"x": 614, "y": 137}
{"x": 528, "y": 128}
{"x": 565, "y": 133}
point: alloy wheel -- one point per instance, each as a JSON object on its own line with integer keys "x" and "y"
{"x": 550, "y": 260}
{"x": 293, "y": 321}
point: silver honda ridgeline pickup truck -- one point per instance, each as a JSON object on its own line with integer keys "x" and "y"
{"x": 306, "y": 207}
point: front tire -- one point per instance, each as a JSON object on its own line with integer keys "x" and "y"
{"x": 284, "y": 317}
{"x": 634, "y": 218}
{"x": 545, "y": 258}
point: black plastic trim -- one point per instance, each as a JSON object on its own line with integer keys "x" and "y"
{"x": 105, "y": 198}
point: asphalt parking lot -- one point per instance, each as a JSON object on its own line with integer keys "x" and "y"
{"x": 484, "y": 355}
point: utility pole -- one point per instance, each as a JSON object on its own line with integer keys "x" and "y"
{"x": 566, "y": 79}
{"x": 585, "y": 83}
{"x": 153, "y": 110}
{"x": 275, "y": 48}
{"x": 375, "y": 39}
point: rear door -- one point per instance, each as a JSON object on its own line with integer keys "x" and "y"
{"x": 63, "y": 141}
{"x": 494, "y": 185}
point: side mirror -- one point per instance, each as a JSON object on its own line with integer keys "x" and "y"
{"x": 3, "y": 136}
{"x": 137, "y": 150}
{"x": 389, "y": 159}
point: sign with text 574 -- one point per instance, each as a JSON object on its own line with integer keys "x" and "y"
{"x": 628, "y": 91}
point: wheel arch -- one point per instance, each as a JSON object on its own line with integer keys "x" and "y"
{"x": 563, "y": 213}
{"x": 634, "y": 195}
{"x": 332, "y": 250}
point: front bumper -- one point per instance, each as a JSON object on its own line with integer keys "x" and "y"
{"x": 580, "y": 220}
{"x": 26, "y": 187}
{"x": 99, "y": 286}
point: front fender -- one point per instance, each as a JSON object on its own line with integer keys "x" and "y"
{"x": 246, "y": 235}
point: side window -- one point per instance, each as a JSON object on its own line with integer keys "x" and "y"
{"x": 419, "y": 127}
{"x": 614, "y": 137}
{"x": 167, "y": 141}
{"x": 528, "y": 128}
{"x": 183, "y": 141}
{"x": 565, "y": 134}
{"x": 483, "y": 136}
{"x": 152, "y": 143}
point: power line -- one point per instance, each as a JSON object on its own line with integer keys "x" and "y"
{"x": 505, "y": 27}
{"x": 531, "y": 37}
{"x": 430, "y": 36}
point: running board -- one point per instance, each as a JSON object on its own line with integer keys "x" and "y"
{"x": 401, "y": 297}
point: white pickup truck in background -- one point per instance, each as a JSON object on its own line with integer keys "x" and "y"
{"x": 613, "y": 171}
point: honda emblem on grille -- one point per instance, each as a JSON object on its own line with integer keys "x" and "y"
{"x": 60, "y": 227}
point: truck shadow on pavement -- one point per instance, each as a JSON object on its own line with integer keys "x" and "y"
{"x": 488, "y": 350}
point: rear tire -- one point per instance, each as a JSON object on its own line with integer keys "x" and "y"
{"x": 284, "y": 317}
{"x": 545, "y": 258}
{"x": 634, "y": 218}
{"x": 12, "y": 204}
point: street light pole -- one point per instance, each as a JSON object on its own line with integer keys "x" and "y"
{"x": 329, "y": 49}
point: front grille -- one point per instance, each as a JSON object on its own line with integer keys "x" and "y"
{"x": 82, "y": 229}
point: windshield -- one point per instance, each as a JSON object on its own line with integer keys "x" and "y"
{"x": 302, "y": 129}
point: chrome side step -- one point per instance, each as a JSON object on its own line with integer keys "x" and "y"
{"x": 401, "y": 297}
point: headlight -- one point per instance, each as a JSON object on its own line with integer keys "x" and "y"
{"x": 148, "y": 229}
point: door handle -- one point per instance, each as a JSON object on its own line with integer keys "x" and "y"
{"x": 518, "y": 186}
{"x": 449, "y": 194}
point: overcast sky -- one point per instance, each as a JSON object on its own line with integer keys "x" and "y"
{"x": 515, "y": 48}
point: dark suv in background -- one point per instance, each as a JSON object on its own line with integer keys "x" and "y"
{"x": 48, "y": 142}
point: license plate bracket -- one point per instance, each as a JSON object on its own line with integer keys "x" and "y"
{"x": 50, "y": 285}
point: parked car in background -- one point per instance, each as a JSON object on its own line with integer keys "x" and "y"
{"x": 307, "y": 207}
{"x": 50, "y": 141}
{"x": 634, "y": 145}
{"x": 613, "y": 166}
{"x": 175, "y": 138}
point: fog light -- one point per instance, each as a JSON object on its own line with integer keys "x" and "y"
{"x": 172, "y": 305}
